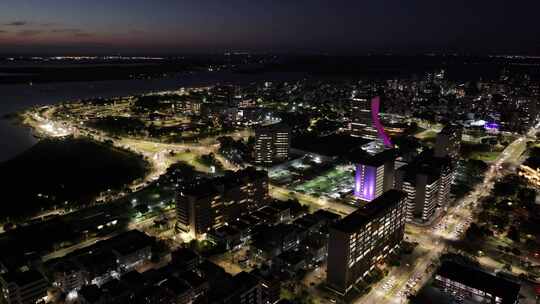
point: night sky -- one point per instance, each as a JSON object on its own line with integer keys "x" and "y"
{"x": 340, "y": 27}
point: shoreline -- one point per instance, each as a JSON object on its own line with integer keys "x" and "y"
{"x": 20, "y": 98}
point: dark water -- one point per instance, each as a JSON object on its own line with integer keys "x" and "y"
{"x": 15, "y": 139}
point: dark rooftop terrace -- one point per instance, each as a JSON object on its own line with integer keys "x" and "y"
{"x": 372, "y": 210}
{"x": 481, "y": 280}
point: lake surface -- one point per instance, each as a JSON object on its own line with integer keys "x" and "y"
{"x": 15, "y": 139}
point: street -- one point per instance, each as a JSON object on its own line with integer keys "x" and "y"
{"x": 433, "y": 242}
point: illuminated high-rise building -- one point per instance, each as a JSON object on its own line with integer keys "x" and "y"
{"x": 374, "y": 171}
{"x": 361, "y": 124}
{"x": 211, "y": 203}
{"x": 272, "y": 144}
{"x": 363, "y": 238}
{"x": 427, "y": 182}
{"x": 528, "y": 110}
{"x": 448, "y": 142}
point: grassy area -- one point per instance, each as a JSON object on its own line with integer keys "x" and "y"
{"x": 145, "y": 146}
{"x": 64, "y": 173}
{"x": 426, "y": 134}
{"x": 484, "y": 156}
{"x": 191, "y": 159}
{"x": 480, "y": 151}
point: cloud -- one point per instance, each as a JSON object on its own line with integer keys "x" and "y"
{"x": 17, "y": 23}
{"x": 67, "y": 30}
{"x": 74, "y": 31}
{"x": 84, "y": 34}
{"x": 29, "y": 33}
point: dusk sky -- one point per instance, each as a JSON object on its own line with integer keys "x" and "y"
{"x": 181, "y": 26}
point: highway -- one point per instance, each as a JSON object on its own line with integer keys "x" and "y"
{"x": 134, "y": 224}
{"x": 314, "y": 203}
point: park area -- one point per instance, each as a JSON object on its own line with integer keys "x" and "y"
{"x": 336, "y": 183}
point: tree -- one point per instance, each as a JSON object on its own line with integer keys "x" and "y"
{"x": 159, "y": 249}
{"x": 407, "y": 143}
{"x": 500, "y": 221}
{"x": 477, "y": 233}
{"x": 142, "y": 208}
{"x": 210, "y": 160}
{"x": 513, "y": 234}
{"x": 9, "y": 226}
{"x": 527, "y": 197}
{"x": 475, "y": 170}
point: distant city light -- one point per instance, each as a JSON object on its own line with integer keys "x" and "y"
{"x": 492, "y": 126}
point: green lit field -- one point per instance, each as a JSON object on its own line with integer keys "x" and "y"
{"x": 329, "y": 184}
{"x": 426, "y": 134}
{"x": 191, "y": 159}
{"x": 485, "y": 156}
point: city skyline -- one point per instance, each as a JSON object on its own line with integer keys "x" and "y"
{"x": 343, "y": 27}
{"x": 269, "y": 152}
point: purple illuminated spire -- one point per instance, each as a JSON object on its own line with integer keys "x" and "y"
{"x": 375, "y": 105}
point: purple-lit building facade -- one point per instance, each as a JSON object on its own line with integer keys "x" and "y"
{"x": 374, "y": 174}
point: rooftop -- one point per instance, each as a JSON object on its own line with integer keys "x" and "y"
{"x": 413, "y": 169}
{"x": 273, "y": 127}
{"x": 97, "y": 261}
{"x": 244, "y": 281}
{"x": 476, "y": 278}
{"x": 100, "y": 257}
{"x": 129, "y": 242}
{"x": 184, "y": 255}
{"x": 91, "y": 293}
{"x": 360, "y": 156}
{"x": 193, "y": 279}
{"x": 372, "y": 210}
{"x": 307, "y": 221}
{"x": 225, "y": 231}
{"x": 175, "y": 285}
{"x": 331, "y": 145}
{"x": 327, "y": 215}
{"x": 293, "y": 257}
{"x": 425, "y": 164}
{"x": 114, "y": 288}
{"x": 201, "y": 188}
{"x": 23, "y": 278}
{"x": 211, "y": 186}
{"x": 133, "y": 278}
{"x": 240, "y": 225}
